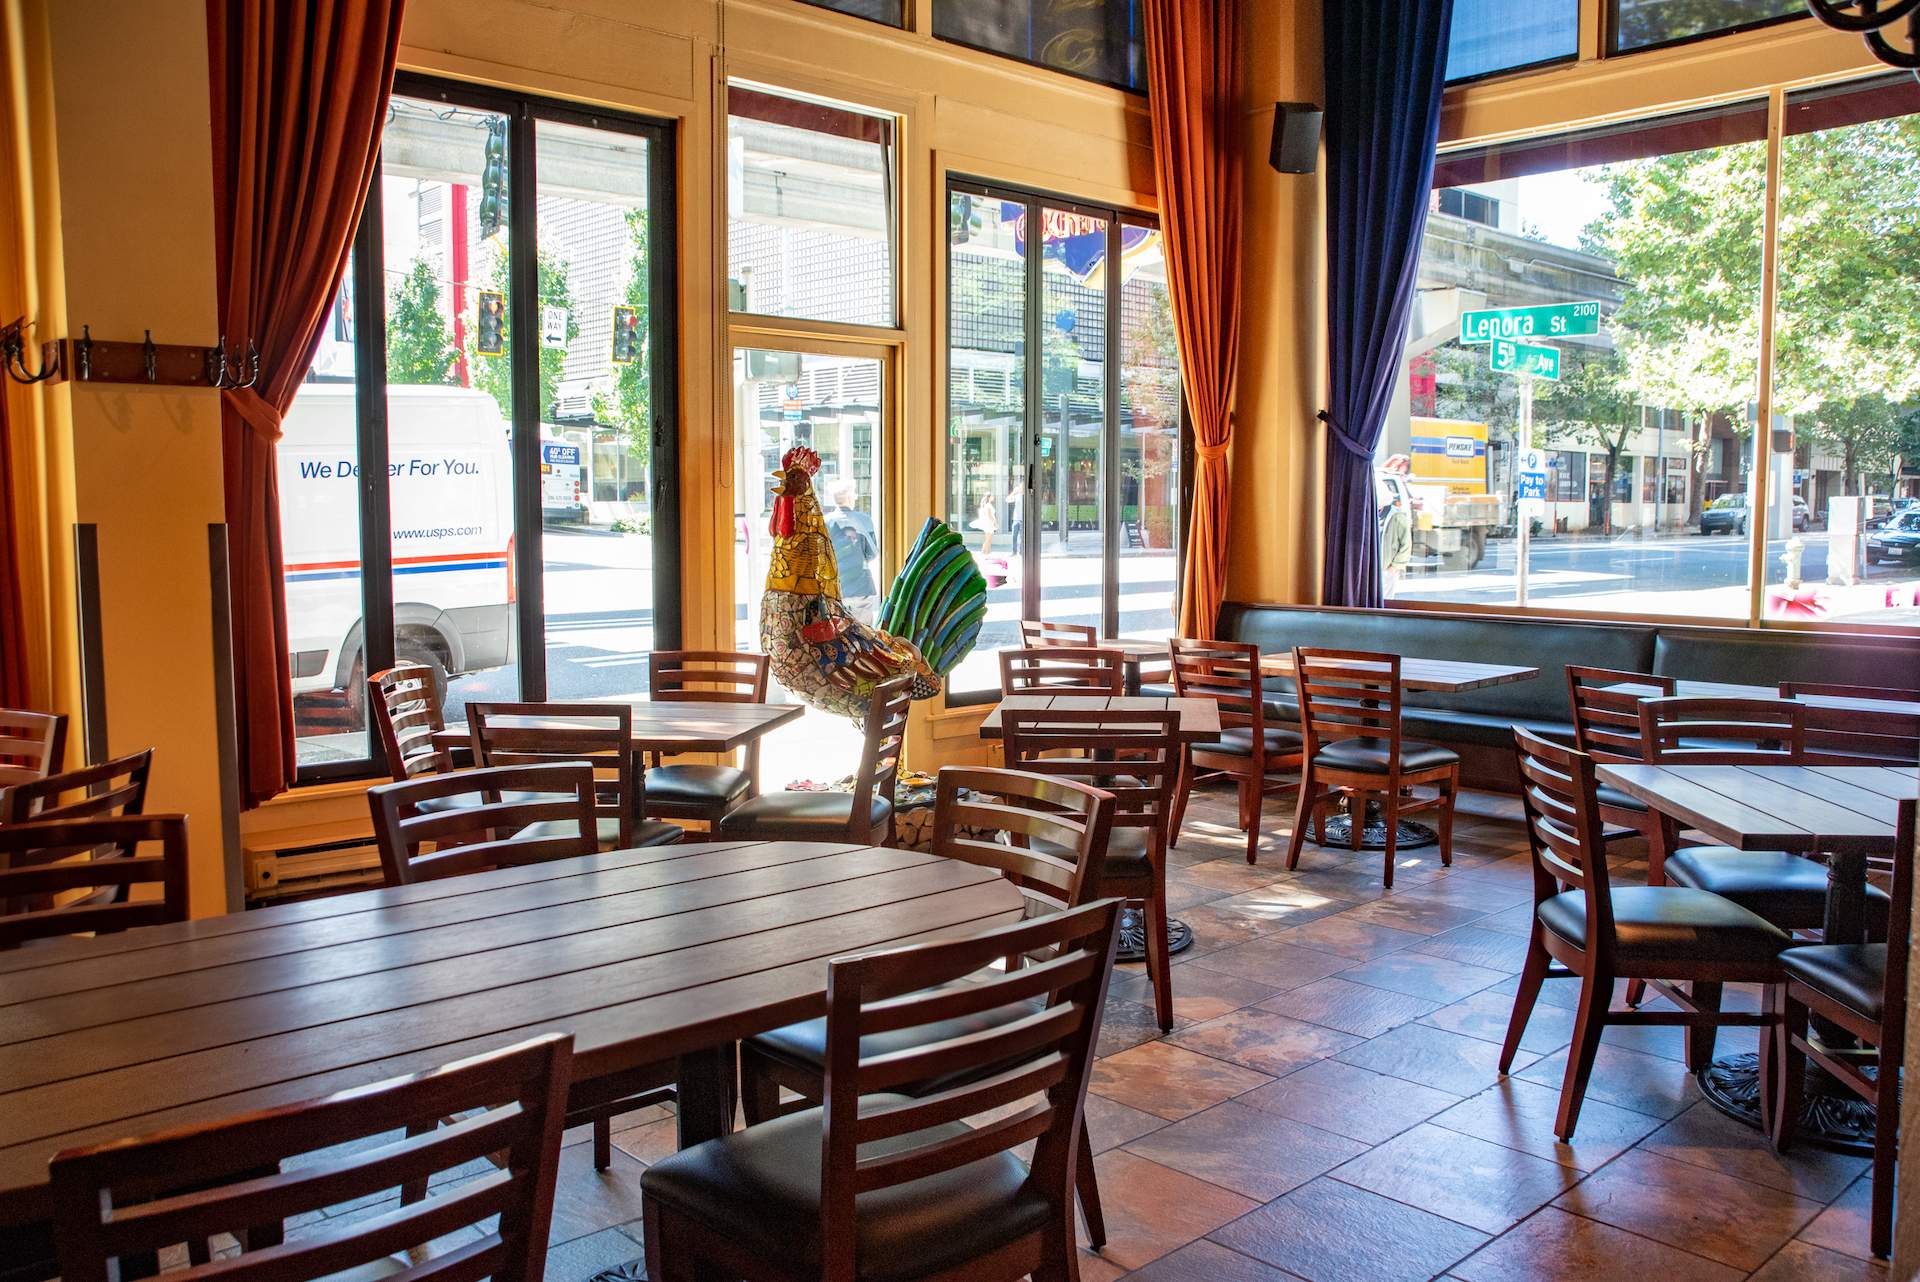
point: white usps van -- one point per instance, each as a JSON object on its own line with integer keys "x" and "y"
{"x": 450, "y": 478}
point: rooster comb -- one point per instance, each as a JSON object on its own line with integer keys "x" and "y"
{"x": 803, "y": 457}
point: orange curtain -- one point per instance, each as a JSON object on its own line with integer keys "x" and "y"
{"x": 299, "y": 94}
{"x": 14, "y": 692}
{"x": 1192, "y": 58}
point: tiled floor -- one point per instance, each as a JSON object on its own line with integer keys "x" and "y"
{"x": 1330, "y": 1107}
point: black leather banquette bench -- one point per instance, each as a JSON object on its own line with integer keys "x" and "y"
{"x": 1478, "y": 724}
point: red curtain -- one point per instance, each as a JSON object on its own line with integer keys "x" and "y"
{"x": 1192, "y": 58}
{"x": 14, "y": 692}
{"x": 299, "y": 94}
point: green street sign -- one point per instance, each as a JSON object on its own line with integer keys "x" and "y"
{"x": 1561, "y": 320}
{"x": 1525, "y": 358}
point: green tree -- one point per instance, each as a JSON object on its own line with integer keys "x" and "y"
{"x": 1465, "y": 389}
{"x": 419, "y": 347}
{"x": 628, "y": 403}
{"x": 1592, "y": 404}
{"x": 494, "y": 374}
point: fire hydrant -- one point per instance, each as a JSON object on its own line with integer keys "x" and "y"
{"x": 1796, "y": 547}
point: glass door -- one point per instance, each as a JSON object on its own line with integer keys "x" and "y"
{"x": 1068, "y": 509}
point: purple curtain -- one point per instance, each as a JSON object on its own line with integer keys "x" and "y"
{"x": 1386, "y": 65}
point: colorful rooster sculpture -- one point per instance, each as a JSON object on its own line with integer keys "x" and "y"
{"x": 824, "y": 655}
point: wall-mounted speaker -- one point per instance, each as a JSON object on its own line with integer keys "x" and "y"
{"x": 1296, "y": 138}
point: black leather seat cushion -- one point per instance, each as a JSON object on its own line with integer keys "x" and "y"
{"x": 1371, "y": 755}
{"x": 1238, "y": 742}
{"x": 1787, "y": 890}
{"x": 805, "y": 1043}
{"x": 1127, "y": 853}
{"x": 1855, "y": 975}
{"x": 696, "y": 785}
{"x": 1621, "y": 801}
{"x": 1656, "y": 924}
{"x": 828, "y": 813}
{"x": 646, "y": 832}
{"x": 761, "y": 1187}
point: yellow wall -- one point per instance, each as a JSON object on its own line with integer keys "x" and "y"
{"x": 124, "y": 239}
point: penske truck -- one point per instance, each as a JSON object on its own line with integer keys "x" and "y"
{"x": 1443, "y": 472}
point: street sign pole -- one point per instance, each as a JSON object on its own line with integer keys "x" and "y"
{"x": 1522, "y": 519}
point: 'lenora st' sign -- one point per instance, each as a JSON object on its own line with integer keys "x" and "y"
{"x": 1560, "y": 320}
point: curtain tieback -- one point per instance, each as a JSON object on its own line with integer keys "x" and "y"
{"x": 1345, "y": 439}
{"x": 256, "y": 410}
{"x": 1210, "y": 451}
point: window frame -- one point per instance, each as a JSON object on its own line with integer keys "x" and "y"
{"x": 1139, "y": 91}
{"x": 371, "y": 438}
{"x": 1116, "y": 217}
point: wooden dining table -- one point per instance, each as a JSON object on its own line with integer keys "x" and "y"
{"x": 671, "y": 953}
{"x": 1445, "y": 676}
{"x": 1199, "y": 718}
{"x": 673, "y": 727}
{"x": 1844, "y": 814}
{"x": 1726, "y": 690}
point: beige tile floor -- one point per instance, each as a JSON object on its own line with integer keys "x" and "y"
{"x": 1330, "y": 1107}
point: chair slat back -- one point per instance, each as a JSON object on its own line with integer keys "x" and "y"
{"x": 1024, "y": 807}
{"x": 1900, "y": 909}
{"x": 599, "y": 735}
{"x": 55, "y": 880}
{"x": 1059, "y": 669}
{"x": 886, "y": 737}
{"x": 1563, "y": 826}
{"x": 1859, "y": 736}
{"x": 1606, "y": 721}
{"x": 1035, "y": 633}
{"x": 1227, "y": 672}
{"x": 1132, "y": 754}
{"x": 116, "y": 787}
{"x": 472, "y": 819}
{"x": 407, "y": 714}
{"x": 186, "y": 1186}
{"x": 1348, "y": 694}
{"x": 32, "y": 744}
{"x": 707, "y": 676}
{"x": 1041, "y": 1058}
{"x": 1713, "y": 731}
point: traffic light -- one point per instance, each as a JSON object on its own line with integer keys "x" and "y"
{"x": 493, "y": 179}
{"x": 490, "y": 333}
{"x": 626, "y": 335}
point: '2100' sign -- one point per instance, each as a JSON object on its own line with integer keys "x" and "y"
{"x": 1559, "y": 320}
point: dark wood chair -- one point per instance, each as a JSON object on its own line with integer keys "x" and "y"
{"x": 32, "y": 745}
{"x": 1599, "y": 933}
{"x": 1862, "y": 988}
{"x": 405, "y": 703}
{"x": 1037, "y": 633}
{"x": 863, "y": 816}
{"x": 117, "y": 1206}
{"x": 1054, "y": 829}
{"x": 1136, "y": 757}
{"x": 1859, "y": 736}
{"x": 73, "y": 876}
{"x": 116, "y": 787}
{"x": 1350, "y": 709}
{"x": 704, "y": 792}
{"x": 1250, "y": 751}
{"x": 1606, "y": 726}
{"x": 1060, "y": 669}
{"x": 462, "y": 817}
{"x": 597, "y": 734}
{"x": 880, "y": 1183}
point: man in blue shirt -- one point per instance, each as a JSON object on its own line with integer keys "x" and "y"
{"x": 855, "y": 547}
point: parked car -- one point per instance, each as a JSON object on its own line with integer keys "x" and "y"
{"x": 1897, "y": 540}
{"x": 1881, "y": 510}
{"x": 1728, "y": 515}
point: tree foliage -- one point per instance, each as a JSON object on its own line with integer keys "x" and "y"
{"x": 419, "y": 345}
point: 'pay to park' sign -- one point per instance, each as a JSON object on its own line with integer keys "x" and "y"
{"x": 1561, "y": 320}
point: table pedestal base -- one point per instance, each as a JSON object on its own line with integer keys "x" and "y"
{"x": 1412, "y": 836}
{"x": 631, "y": 1271}
{"x": 1833, "y": 1116}
{"x": 1133, "y": 936}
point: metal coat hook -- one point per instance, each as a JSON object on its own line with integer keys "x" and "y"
{"x": 225, "y": 373}
{"x": 13, "y": 355}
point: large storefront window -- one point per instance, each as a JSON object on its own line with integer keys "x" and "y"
{"x": 519, "y": 411}
{"x": 1573, "y": 328}
{"x": 1843, "y": 499}
{"x": 1064, "y": 479}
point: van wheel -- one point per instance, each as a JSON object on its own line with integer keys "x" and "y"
{"x": 356, "y": 691}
